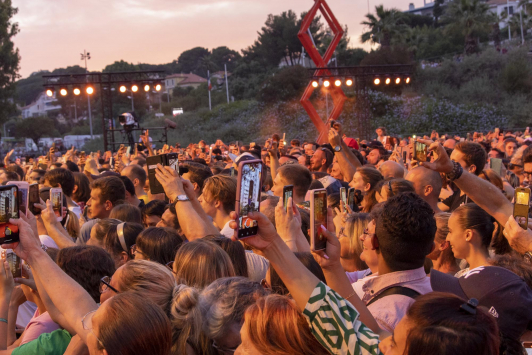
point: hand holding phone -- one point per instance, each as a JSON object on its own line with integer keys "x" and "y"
{"x": 318, "y": 218}
{"x": 248, "y": 197}
{"x": 288, "y": 191}
{"x": 420, "y": 152}
{"x": 9, "y": 209}
{"x": 56, "y": 196}
{"x": 522, "y": 206}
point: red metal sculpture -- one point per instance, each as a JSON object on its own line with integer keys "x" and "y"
{"x": 336, "y": 93}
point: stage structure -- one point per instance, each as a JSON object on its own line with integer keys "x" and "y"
{"x": 333, "y": 78}
{"x": 75, "y": 84}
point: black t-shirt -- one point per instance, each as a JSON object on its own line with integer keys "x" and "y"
{"x": 456, "y": 200}
{"x": 141, "y": 204}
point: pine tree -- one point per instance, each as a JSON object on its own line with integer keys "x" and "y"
{"x": 9, "y": 60}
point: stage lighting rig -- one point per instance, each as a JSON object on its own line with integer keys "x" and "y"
{"x": 63, "y": 91}
{"x": 50, "y": 92}
{"x": 349, "y": 82}
{"x": 158, "y": 87}
{"x": 89, "y": 90}
{"x": 76, "y": 91}
{"x": 134, "y": 88}
{"x": 315, "y": 83}
{"x": 326, "y": 83}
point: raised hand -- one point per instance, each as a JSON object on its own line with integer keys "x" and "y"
{"x": 170, "y": 180}
{"x": 330, "y": 257}
{"x": 266, "y": 232}
{"x": 519, "y": 238}
{"x": 443, "y": 162}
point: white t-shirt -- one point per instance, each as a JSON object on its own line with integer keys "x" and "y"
{"x": 227, "y": 231}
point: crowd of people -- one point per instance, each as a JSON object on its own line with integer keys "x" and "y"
{"x": 428, "y": 260}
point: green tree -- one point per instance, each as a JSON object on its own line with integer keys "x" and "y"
{"x": 9, "y": 60}
{"x": 26, "y": 128}
{"x": 223, "y": 55}
{"x": 386, "y": 28}
{"x": 472, "y": 18}
{"x": 119, "y": 66}
{"x": 190, "y": 60}
{"x": 437, "y": 11}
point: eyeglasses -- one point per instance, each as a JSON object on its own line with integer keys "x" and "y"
{"x": 135, "y": 251}
{"x": 86, "y": 321}
{"x": 105, "y": 285}
{"x": 224, "y": 350}
{"x": 366, "y": 234}
{"x": 527, "y": 173}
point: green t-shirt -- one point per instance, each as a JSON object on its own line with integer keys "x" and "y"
{"x": 54, "y": 343}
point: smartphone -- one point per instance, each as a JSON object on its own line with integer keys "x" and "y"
{"x": 318, "y": 218}
{"x": 343, "y": 195}
{"x": 155, "y": 185}
{"x": 14, "y": 261}
{"x": 420, "y": 152}
{"x": 173, "y": 161}
{"x": 56, "y": 195}
{"x": 496, "y": 165}
{"x": 22, "y": 195}
{"x": 111, "y": 162}
{"x": 8, "y": 210}
{"x": 33, "y": 198}
{"x": 332, "y": 123}
{"x": 128, "y": 151}
{"x": 351, "y": 198}
{"x": 521, "y": 206}
{"x": 288, "y": 191}
{"x": 249, "y": 182}
{"x": 404, "y": 156}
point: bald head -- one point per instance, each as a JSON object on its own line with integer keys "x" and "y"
{"x": 427, "y": 183}
{"x": 449, "y": 143}
{"x": 391, "y": 170}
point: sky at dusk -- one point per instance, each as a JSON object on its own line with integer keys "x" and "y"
{"x": 53, "y": 33}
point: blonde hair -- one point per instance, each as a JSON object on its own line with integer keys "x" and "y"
{"x": 200, "y": 262}
{"x": 354, "y": 228}
{"x": 72, "y": 227}
{"x": 276, "y": 327}
{"x": 221, "y": 188}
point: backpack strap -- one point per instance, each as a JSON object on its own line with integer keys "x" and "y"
{"x": 395, "y": 290}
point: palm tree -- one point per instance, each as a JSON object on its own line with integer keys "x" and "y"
{"x": 384, "y": 29}
{"x": 471, "y": 18}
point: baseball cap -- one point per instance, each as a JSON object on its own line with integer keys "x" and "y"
{"x": 506, "y": 296}
{"x": 351, "y": 142}
{"x": 244, "y": 157}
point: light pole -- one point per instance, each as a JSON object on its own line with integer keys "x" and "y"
{"x": 86, "y": 56}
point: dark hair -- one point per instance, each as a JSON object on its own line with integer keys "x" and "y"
{"x": 73, "y": 167}
{"x": 217, "y": 151}
{"x": 527, "y": 155}
{"x": 39, "y": 171}
{"x": 297, "y": 175}
{"x": 111, "y": 189}
{"x": 395, "y": 186}
{"x": 441, "y": 327}
{"x": 86, "y": 265}
{"x": 83, "y": 193}
{"x": 405, "y": 231}
{"x": 137, "y": 172}
{"x": 128, "y": 184}
{"x": 159, "y": 244}
{"x": 17, "y": 169}
{"x": 198, "y": 173}
{"x": 306, "y": 259}
{"x": 333, "y": 200}
{"x": 133, "y": 325}
{"x": 315, "y": 184}
{"x": 126, "y": 213}
{"x": 61, "y": 177}
{"x": 154, "y": 208}
{"x": 515, "y": 264}
{"x": 12, "y": 176}
{"x": 112, "y": 242}
{"x": 474, "y": 154}
{"x": 101, "y": 228}
{"x": 470, "y": 216}
{"x": 370, "y": 176}
{"x": 171, "y": 207}
{"x": 236, "y": 253}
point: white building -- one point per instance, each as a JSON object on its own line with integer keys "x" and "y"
{"x": 501, "y": 7}
{"x": 40, "y": 107}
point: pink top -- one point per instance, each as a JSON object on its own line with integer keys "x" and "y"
{"x": 39, "y": 324}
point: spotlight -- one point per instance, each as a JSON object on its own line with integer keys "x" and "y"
{"x": 122, "y": 89}
{"x": 407, "y": 80}
{"x": 49, "y": 92}
{"x": 89, "y": 90}
{"x": 76, "y": 91}
{"x": 158, "y": 87}
{"x": 388, "y": 81}
{"x": 398, "y": 81}
{"x": 337, "y": 82}
{"x": 326, "y": 83}
{"x": 146, "y": 87}
{"x": 377, "y": 81}
{"x": 135, "y": 88}
{"x": 349, "y": 82}
{"x": 63, "y": 92}
{"x": 315, "y": 83}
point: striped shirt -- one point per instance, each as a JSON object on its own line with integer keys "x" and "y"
{"x": 334, "y": 322}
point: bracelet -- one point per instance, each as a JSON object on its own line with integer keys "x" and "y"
{"x": 456, "y": 173}
{"x": 351, "y": 295}
{"x": 3, "y": 320}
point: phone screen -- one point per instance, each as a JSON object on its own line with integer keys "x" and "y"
{"x": 320, "y": 218}
{"x": 13, "y": 261}
{"x": 351, "y": 198}
{"x": 250, "y": 180}
{"x": 420, "y": 152}
{"x": 173, "y": 161}
{"x": 288, "y": 191}
{"x": 57, "y": 201}
{"x": 8, "y": 210}
{"x": 522, "y": 198}
{"x": 343, "y": 195}
{"x": 34, "y": 198}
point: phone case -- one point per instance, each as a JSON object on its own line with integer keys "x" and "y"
{"x": 155, "y": 185}
{"x": 23, "y": 194}
{"x": 9, "y": 209}
{"x": 56, "y": 195}
{"x": 238, "y": 194}
{"x": 521, "y": 207}
{"x": 288, "y": 191}
{"x": 314, "y": 244}
{"x": 34, "y": 197}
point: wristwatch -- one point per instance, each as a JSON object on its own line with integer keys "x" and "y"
{"x": 181, "y": 198}
{"x": 338, "y": 148}
{"x": 528, "y": 257}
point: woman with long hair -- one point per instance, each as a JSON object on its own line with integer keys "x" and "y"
{"x": 365, "y": 180}
{"x": 442, "y": 256}
{"x": 350, "y": 241}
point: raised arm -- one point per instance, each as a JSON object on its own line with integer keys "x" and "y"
{"x": 53, "y": 227}
{"x": 343, "y": 156}
{"x": 274, "y": 160}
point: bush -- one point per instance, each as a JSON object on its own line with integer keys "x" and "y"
{"x": 287, "y": 84}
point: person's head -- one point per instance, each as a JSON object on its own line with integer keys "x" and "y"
{"x": 136, "y": 174}
{"x": 515, "y": 264}
{"x": 471, "y": 156}
{"x": 387, "y": 189}
{"x": 86, "y": 265}
{"x": 375, "y": 155}
{"x": 17, "y": 169}
{"x": 119, "y": 240}
{"x": 321, "y": 159}
{"x": 131, "y": 196}
{"x": 169, "y": 219}
{"x": 6, "y": 175}
{"x": 152, "y": 212}
{"x": 292, "y": 174}
{"x": 60, "y": 178}
{"x": 527, "y": 163}
{"x": 106, "y": 193}
{"x": 442, "y": 248}
{"x": 277, "y": 286}
{"x": 491, "y": 176}
{"x": 82, "y": 189}
{"x": 365, "y": 179}
{"x": 35, "y": 176}
{"x": 126, "y": 213}
{"x": 510, "y": 146}
{"x": 128, "y": 324}
{"x": 350, "y": 242}
{"x": 381, "y": 131}
{"x": 200, "y": 262}
{"x": 391, "y": 170}
{"x": 99, "y": 231}
{"x": 427, "y": 183}
{"x": 71, "y": 224}
{"x": 449, "y": 143}
{"x": 236, "y": 253}
{"x": 441, "y": 323}
{"x": 274, "y": 325}
{"x": 470, "y": 228}
{"x": 197, "y": 174}
{"x": 405, "y": 232}
{"x": 219, "y": 195}
{"x": 157, "y": 244}
{"x": 336, "y": 172}
{"x": 71, "y": 166}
